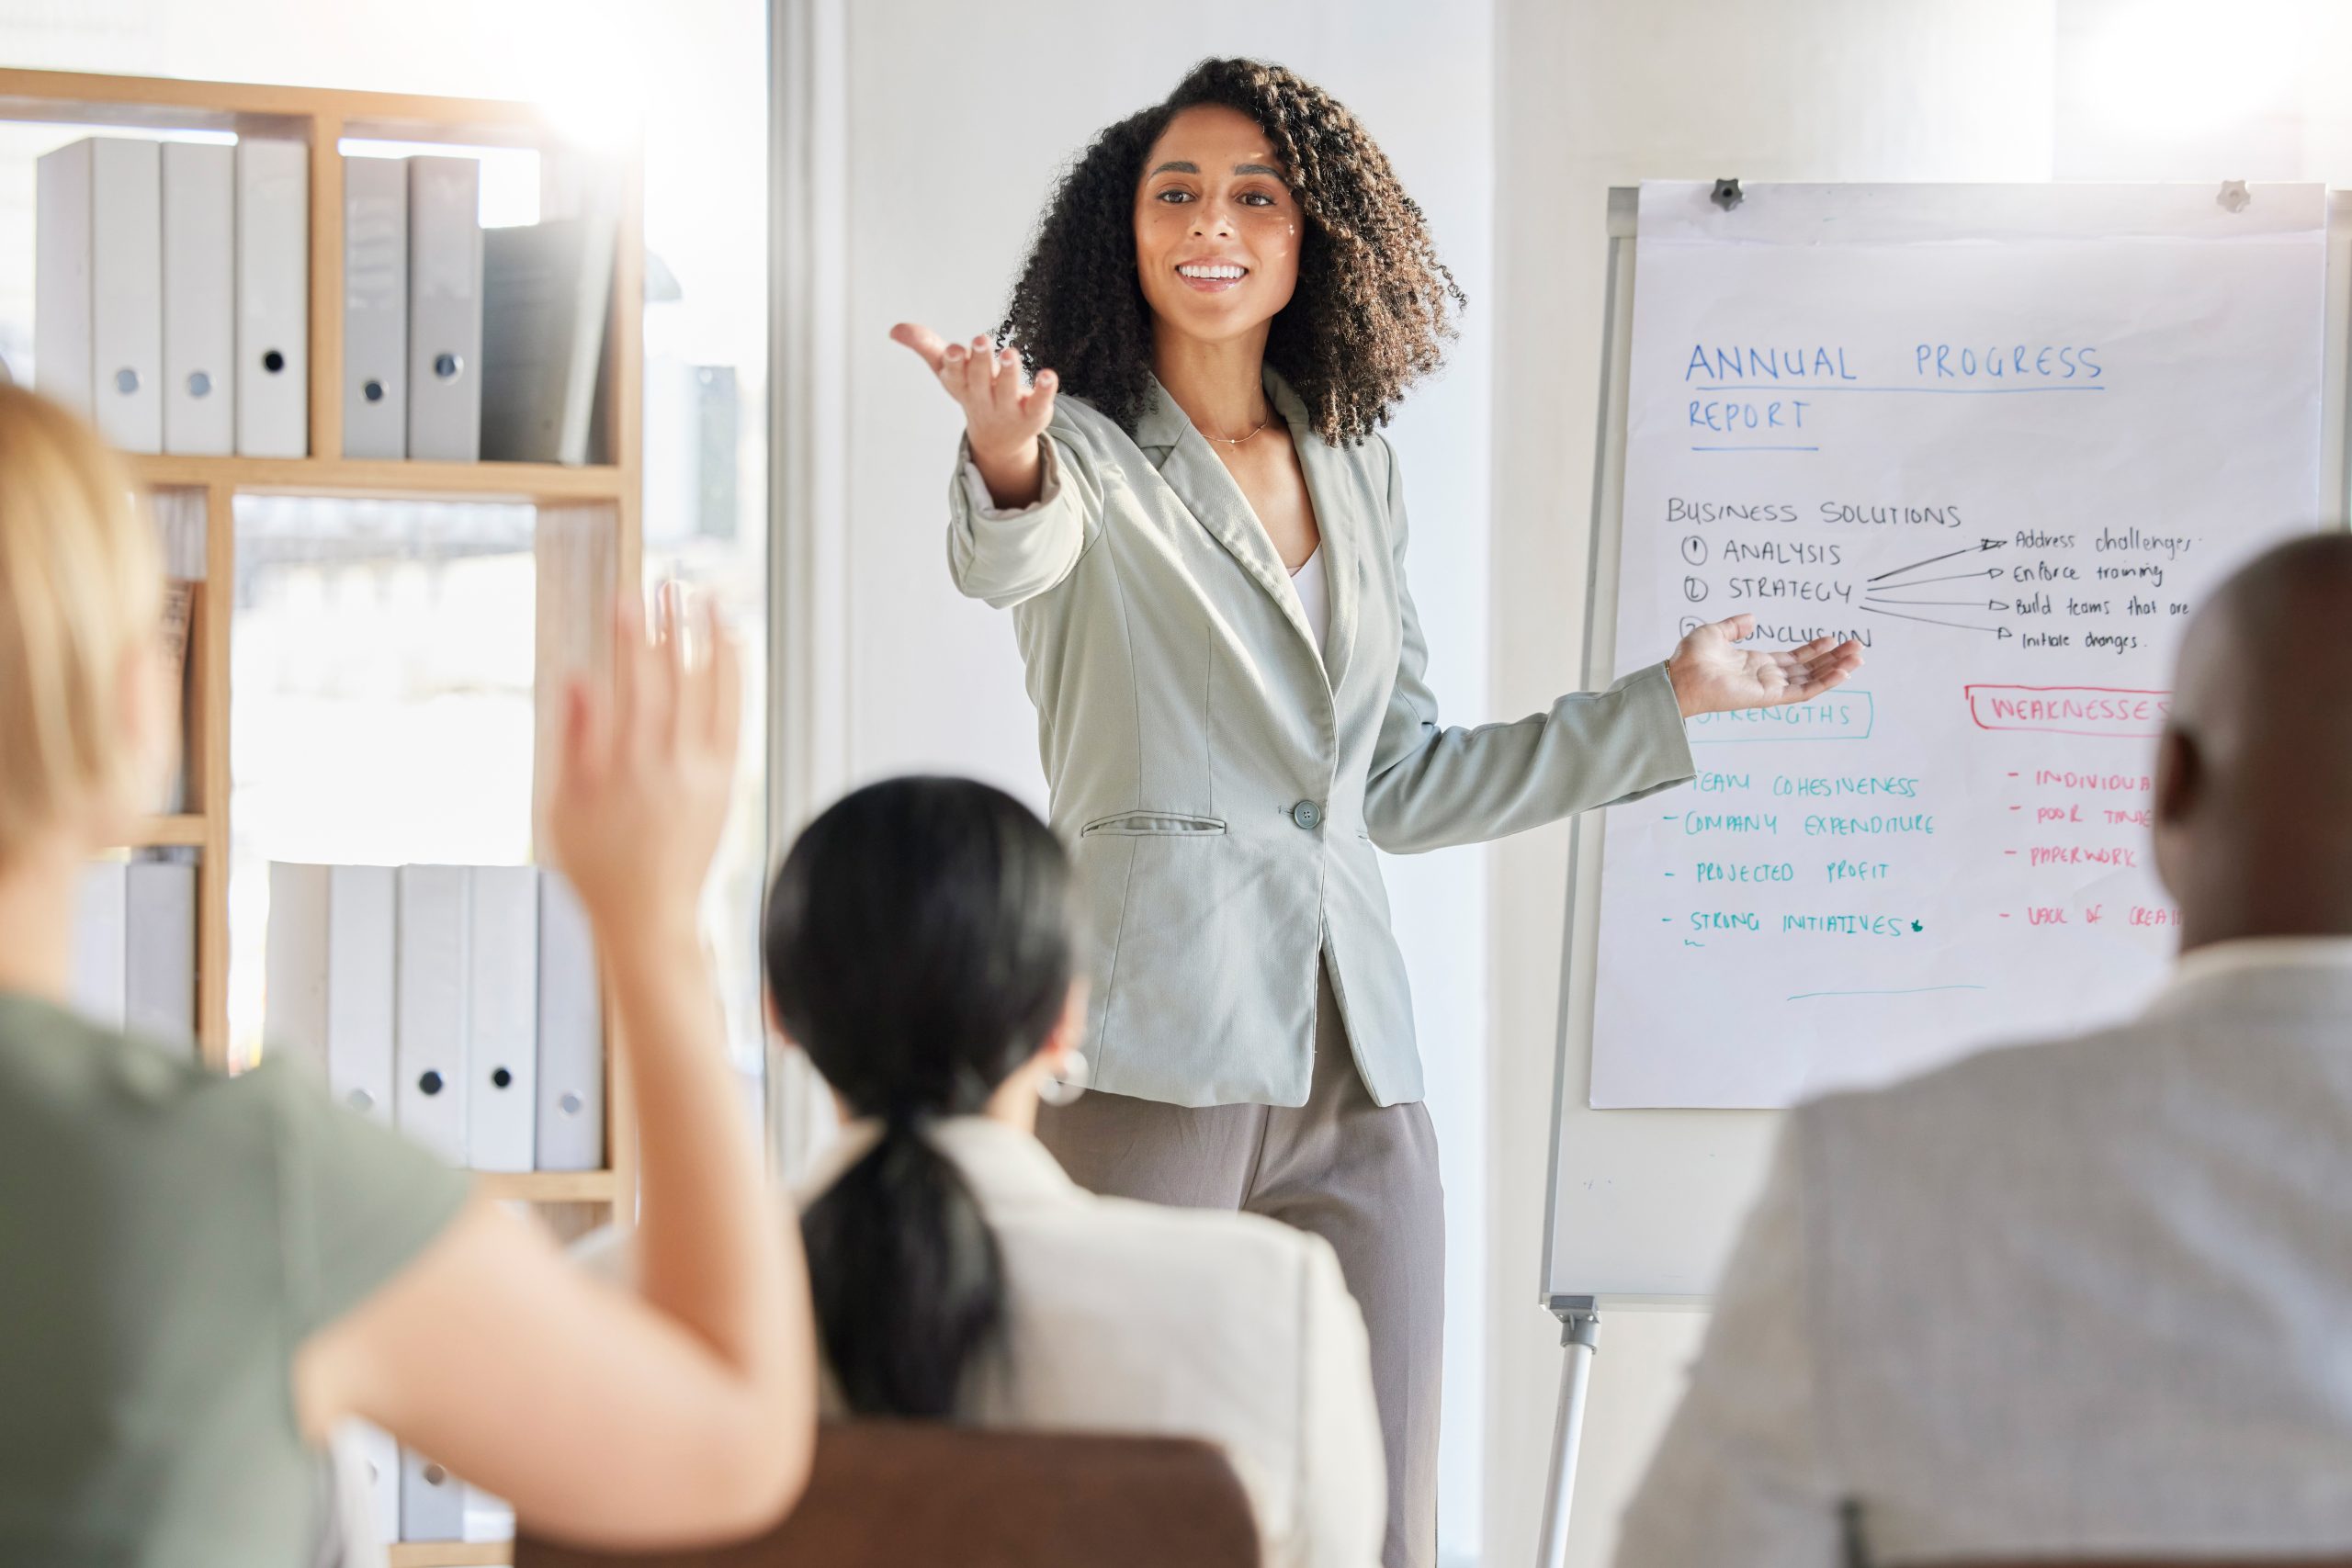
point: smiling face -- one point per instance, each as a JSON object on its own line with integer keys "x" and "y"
{"x": 1217, "y": 231}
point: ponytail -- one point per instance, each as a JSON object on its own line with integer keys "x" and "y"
{"x": 918, "y": 945}
{"x": 908, "y": 1282}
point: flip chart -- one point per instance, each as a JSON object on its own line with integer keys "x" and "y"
{"x": 2007, "y": 437}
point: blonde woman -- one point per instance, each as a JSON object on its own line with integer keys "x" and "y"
{"x": 203, "y": 1276}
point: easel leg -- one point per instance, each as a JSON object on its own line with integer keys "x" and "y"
{"x": 1579, "y": 1336}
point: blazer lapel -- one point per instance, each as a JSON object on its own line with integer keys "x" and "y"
{"x": 1208, "y": 493}
{"x": 1330, "y": 485}
{"x": 1201, "y": 480}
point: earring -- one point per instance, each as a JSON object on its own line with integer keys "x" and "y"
{"x": 1065, "y": 1088}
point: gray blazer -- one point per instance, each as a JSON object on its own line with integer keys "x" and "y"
{"x": 2082, "y": 1300}
{"x": 1222, "y": 785}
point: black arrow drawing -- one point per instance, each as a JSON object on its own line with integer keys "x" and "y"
{"x": 1981, "y": 545}
{"x": 1929, "y": 620}
{"x": 1923, "y": 582}
{"x": 1949, "y": 604}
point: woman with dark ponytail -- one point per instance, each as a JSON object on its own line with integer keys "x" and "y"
{"x": 919, "y": 948}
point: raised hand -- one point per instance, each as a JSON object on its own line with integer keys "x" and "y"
{"x": 1711, "y": 673}
{"x": 1003, "y": 416}
{"x": 646, "y": 767}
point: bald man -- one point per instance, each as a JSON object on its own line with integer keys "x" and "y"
{"x": 2093, "y": 1298}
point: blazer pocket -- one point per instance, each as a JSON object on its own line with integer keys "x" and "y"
{"x": 1150, "y": 824}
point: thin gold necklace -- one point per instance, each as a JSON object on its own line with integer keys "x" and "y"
{"x": 1237, "y": 440}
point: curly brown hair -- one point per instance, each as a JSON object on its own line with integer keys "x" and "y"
{"x": 1374, "y": 306}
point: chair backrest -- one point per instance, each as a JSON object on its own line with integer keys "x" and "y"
{"x": 886, "y": 1493}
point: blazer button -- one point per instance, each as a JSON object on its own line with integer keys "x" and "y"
{"x": 1306, "y": 814}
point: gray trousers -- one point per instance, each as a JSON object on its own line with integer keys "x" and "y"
{"x": 1362, "y": 1177}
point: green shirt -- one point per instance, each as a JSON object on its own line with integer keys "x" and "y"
{"x": 168, "y": 1237}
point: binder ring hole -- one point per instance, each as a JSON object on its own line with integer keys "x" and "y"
{"x": 449, "y": 367}
{"x": 126, "y": 380}
{"x": 199, "y": 384}
{"x": 273, "y": 361}
{"x": 501, "y": 1077}
{"x": 430, "y": 1083}
{"x": 570, "y": 1104}
{"x": 373, "y": 391}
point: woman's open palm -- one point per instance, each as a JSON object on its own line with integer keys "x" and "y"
{"x": 1003, "y": 414}
{"x": 1711, "y": 673}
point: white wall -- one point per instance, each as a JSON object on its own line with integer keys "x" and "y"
{"x": 1591, "y": 95}
{"x": 955, "y": 120}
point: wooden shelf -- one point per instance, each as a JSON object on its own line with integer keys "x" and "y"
{"x": 184, "y": 831}
{"x": 449, "y": 1553}
{"x": 161, "y": 102}
{"x": 384, "y": 479}
{"x": 548, "y": 1186}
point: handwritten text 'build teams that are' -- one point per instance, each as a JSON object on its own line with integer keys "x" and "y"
{"x": 1745, "y": 390}
{"x": 1813, "y": 568}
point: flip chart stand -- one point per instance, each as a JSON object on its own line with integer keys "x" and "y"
{"x": 1579, "y": 1339}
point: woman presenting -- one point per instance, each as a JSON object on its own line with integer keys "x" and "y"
{"x": 1203, "y": 545}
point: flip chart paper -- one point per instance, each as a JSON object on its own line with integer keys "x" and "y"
{"x": 2009, "y": 437}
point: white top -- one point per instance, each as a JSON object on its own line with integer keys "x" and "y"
{"x": 1313, "y": 596}
{"x": 1131, "y": 1317}
{"x": 2081, "y": 1299}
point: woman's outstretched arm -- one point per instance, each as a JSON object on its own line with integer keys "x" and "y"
{"x": 1433, "y": 786}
